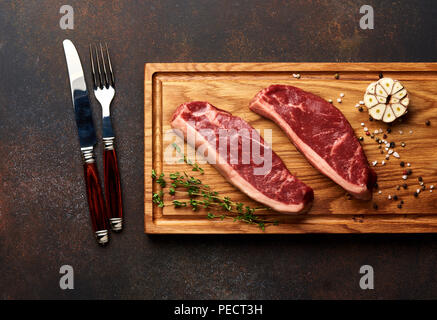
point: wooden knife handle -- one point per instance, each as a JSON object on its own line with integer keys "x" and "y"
{"x": 96, "y": 203}
{"x": 114, "y": 201}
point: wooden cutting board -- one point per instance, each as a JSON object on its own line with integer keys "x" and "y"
{"x": 231, "y": 86}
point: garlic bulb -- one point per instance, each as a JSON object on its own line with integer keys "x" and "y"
{"x": 386, "y": 99}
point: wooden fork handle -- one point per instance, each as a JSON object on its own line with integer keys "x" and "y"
{"x": 96, "y": 203}
{"x": 114, "y": 201}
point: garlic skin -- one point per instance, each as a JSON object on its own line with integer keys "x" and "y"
{"x": 386, "y": 100}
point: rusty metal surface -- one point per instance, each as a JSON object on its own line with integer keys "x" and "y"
{"x": 44, "y": 219}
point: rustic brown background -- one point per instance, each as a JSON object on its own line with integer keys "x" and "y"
{"x": 44, "y": 219}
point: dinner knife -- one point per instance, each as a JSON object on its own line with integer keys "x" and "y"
{"x": 87, "y": 140}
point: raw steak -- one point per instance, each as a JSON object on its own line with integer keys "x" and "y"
{"x": 321, "y": 133}
{"x": 276, "y": 188}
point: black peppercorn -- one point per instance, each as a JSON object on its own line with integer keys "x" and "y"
{"x": 405, "y": 186}
{"x": 395, "y": 198}
{"x": 428, "y": 123}
{"x": 370, "y": 119}
{"x": 409, "y": 172}
{"x": 375, "y": 206}
{"x": 392, "y": 145}
{"x": 381, "y": 75}
{"x": 399, "y": 206}
{"x": 384, "y": 136}
{"x": 388, "y": 130}
{"x": 420, "y": 179}
{"x": 360, "y": 109}
{"x": 361, "y": 138}
{"x": 402, "y": 164}
{"x": 416, "y": 194}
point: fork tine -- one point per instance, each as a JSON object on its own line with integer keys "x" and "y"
{"x": 111, "y": 72}
{"x": 93, "y": 69}
{"x": 101, "y": 81}
{"x": 104, "y": 66}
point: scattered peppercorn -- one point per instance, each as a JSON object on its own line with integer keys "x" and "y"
{"x": 420, "y": 179}
{"x": 392, "y": 145}
{"x": 395, "y": 198}
{"x": 375, "y": 185}
{"x": 399, "y": 206}
{"x": 398, "y": 187}
{"x": 361, "y": 138}
{"x": 360, "y": 109}
{"x": 416, "y": 194}
{"x": 384, "y": 136}
{"x": 428, "y": 123}
{"x": 370, "y": 119}
{"x": 405, "y": 186}
{"x": 402, "y": 201}
{"x": 381, "y": 75}
{"x": 402, "y": 164}
{"x": 409, "y": 171}
{"x": 388, "y": 130}
{"x": 375, "y": 206}
{"x": 337, "y": 76}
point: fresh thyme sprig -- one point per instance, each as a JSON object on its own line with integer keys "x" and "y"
{"x": 195, "y": 166}
{"x": 202, "y": 197}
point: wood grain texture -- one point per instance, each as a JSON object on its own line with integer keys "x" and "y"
{"x": 231, "y": 86}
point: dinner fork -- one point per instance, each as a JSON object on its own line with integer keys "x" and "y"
{"x": 104, "y": 90}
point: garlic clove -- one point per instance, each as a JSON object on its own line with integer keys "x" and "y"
{"x": 389, "y": 115}
{"x": 380, "y": 91}
{"x": 377, "y": 112}
{"x": 397, "y": 86}
{"x": 398, "y": 109}
{"x": 381, "y": 99}
{"x": 371, "y": 88}
{"x": 387, "y": 84}
{"x": 400, "y": 94}
{"x": 405, "y": 101}
{"x": 370, "y": 100}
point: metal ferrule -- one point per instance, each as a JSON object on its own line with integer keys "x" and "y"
{"x": 88, "y": 155}
{"x": 109, "y": 143}
{"x": 102, "y": 237}
{"x": 116, "y": 224}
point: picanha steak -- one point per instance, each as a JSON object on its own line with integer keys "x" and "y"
{"x": 321, "y": 133}
{"x": 276, "y": 188}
